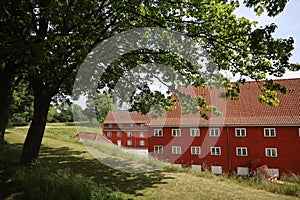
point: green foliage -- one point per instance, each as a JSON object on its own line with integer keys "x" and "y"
{"x": 98, "y": 107}
{"x": 273, "y": 7}
{"x": 21, "y": 109}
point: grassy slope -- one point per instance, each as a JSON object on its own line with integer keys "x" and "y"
{"x": 61, "y": 154}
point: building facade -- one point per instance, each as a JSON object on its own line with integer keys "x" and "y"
{"x": 126, "y": 129}
{"x": 248, "y": 135}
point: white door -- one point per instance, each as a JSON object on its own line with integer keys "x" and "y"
{"x": 119, "y": 142}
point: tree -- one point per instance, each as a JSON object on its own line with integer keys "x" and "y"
{"x": 14, "y": 48}
{"x": 99, "y": 107}
{"x": 59, "y": 34}
{"x": 21, "y": 108}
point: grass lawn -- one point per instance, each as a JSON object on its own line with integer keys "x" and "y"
{"x": 58, "y": 152}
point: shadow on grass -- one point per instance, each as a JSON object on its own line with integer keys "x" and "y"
{"x": 67, "y": 158}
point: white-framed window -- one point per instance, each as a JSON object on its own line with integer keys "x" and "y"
{"x": 120, "y": 125}
{"x": 109, "y": 125}
{"x": 158, "y": 150}
{"x": 271, "y": 152}
{"x": 216, "y": 169}
{"x": 195, "y": 150}
{"x": 176, "y": 132}
{"x": 269, "y": 132}
{"x": 142, "y": 125}
{"x": 142, "y": 134}
{"x": 214, "y": 132}
{"x": 240, "y": 132}
{"x": 158, "y": 132}
{"x": 109, "y": 134}
{"x": 142, "y": 142}
{"x": 119, "y": 134}
{"x": 129, "y": 134}
{"x": 215, "y": 151}
{"x": 131, "y": 125}
{"x": 176, "y": 149}
{"x": 129, "y": 142}
{"x": 242, "y": 171}
{"x": 194, "y": 132}
{"x": 241, "y": 151}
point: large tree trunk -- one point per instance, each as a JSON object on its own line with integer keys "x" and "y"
{"x": 36, "y": 130}
{"x": 6, "y": 87}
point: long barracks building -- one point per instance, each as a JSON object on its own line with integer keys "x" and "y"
{"x": 248, "y": 135}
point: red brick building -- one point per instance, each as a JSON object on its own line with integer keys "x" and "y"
{"x": 248, "y": 135}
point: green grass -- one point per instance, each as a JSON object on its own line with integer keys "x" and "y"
{"x": 66, "y": 170}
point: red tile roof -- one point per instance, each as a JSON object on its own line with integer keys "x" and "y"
{"x": 92, "y": 137}
{"x": 125, "y": 117}
{"x": 247, "y": 111}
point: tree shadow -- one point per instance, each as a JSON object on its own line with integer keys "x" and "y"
{"x": 66, "y": 158}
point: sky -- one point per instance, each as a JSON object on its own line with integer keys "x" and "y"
{"x": 288, "y": 25}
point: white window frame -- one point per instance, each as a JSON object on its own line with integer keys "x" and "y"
{"x": 267, "y": 132}
{"x": 214, "y": 132}
{"x": 142, "y": 142}
{"x": 176, "y": 132}
{"x": 176, "y": 150}
{"x": 109, "y": 125}
{"x": 119, "y": 134}
{"x": 120, "y": 125}
{"x": 158, "y": 149}
{"x": 129, "y": 134}
{"x": 129, "y": 142}
{"x": 142, "y": 134}
{"x": 214, "y": 151}
{"x": 271, "y": 152}
{"x": 158, "y": 132}
{"x": 109, "y": 134}
{"x": 142, "y": 125}
{"x": 241, "y": 151}
{"x": 194, "y": 132}
{"x": 238, "y": 132}
{"x": 131, "y": 125}
{"x": 195, "y": 150}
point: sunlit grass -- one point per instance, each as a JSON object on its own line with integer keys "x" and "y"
{"x": 62, "y": 158}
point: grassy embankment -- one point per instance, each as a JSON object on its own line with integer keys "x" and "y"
{"x": 66, "y": 170}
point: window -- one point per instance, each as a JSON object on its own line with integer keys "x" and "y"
{"x": 131, "y": 125}
{"x": 142, "y": 134}
{"x": 216, "y": 169}
{"x": 240, "y": 132}
{"x": 194, "y": 132}
{"x": 142, "y": 125}
{"x": 108, "y": 134}
{"x": 119, "y": 134}
{"x": 142, "y": 143}
{"x": 158, "y": 149}
{"x": 242, "y": 171}
{"x": 158, "y": 132}
{"x": 195, "y": 150}
{"x": 109, "y": 125}
{"x": 214, "y": 132}
{"x": 176, "y": 132}
{"x": 241, "y": 151}
{"x": 271, "y": 152}
{"x": 176, "y": 149}
{"x": 129, "y": 134}
{"x": 120, "y": 125}
{"x": 129, "y": 142}
{"x": 270, "y": 132}
{"x": 215, "y": 151}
